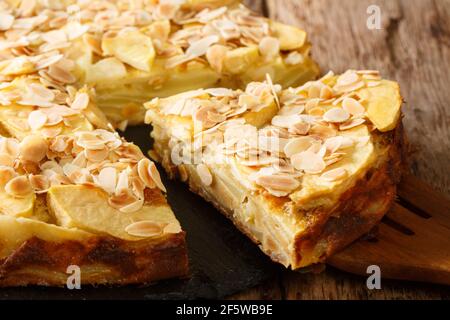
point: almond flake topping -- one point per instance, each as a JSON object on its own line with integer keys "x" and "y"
{"x": 269, "y": 47}
{"x": 81, "y": 101}
{"x": 146, "y": 229}
{"x": 353, "y": 107}
{"x": 336, "y": 115}
{"x": 18, "y": 187}
{"x": 308, "y": 161}
{"x": 33, "y": 148}
{"x": 6, "y": 21}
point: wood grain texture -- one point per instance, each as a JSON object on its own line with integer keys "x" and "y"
{"x": 413, "y": 48}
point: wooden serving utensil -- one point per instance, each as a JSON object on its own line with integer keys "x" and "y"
{"x": 412, "y": 241}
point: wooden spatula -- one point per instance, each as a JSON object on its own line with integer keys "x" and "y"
{"x": 412, "y": 242}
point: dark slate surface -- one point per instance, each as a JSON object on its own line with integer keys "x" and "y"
{"x": 222, "y": 260}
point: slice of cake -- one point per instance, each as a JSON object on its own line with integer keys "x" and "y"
{"x": 303, "y": 172}
{"x": 73, "y": 193}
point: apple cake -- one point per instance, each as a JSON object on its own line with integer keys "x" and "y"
{"x": 132, "y": 51}
{"x": 302, "y": 172}
{"x": 72, "y": 192}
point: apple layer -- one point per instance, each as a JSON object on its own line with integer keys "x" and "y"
{"x": 303, "y": 172}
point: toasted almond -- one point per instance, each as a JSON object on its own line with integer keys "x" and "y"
{"x": 335, "y": 174}
{"x": 333, "y": 144}
{"x": 40, "y": 92}
{"x": 107, "y": 179}
{"x": 50, "y": 132}
{"x": 269, "y": 47}
{"x": 37, "y": 119}
{"x": 216, "y": 55}
{"x": 132, "y": 207}
{"x": 308, "y": 161}
{"x": 297, "y": 145}
{"x": 121, "y": 199}
{"x": 18, "y": 187}
{"x": 40, "y": 183}
{"x": 278, "y": 182}
{"x": 143, "y": 172}
{"x": 314, "y": 90}
{"x": 348, "y": 78}
{"x": 6, "y": 21}
{"x": 317, "y": 111}
{"x": 33, "y": 148}
{"x": 10, "y": 146}
{"x": 6, "y": 160}
{"x": 145, "y": 229}
{"x": 353, "y": 107}
{"x": 81, "y": 101}
{"x": 59, "y": 144}
{"x": 149, "y": 173}
{"x": 200, "y": 47}
{"x": 6, "y": 174}
{"x": 59, "y": 74}
{"x": 336, "y": 115}
{"x": 294, "y": 58}
{"x": 322, "y": 132}
{"x": 204, "y": 174}
{"x": 351, "y": 123}
{"x": 326, "y": 93}
{"x": 96, "y": 155}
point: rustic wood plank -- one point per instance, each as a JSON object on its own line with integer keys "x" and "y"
{"x": 413, "y": 47}
{"x": 257, "y": 6}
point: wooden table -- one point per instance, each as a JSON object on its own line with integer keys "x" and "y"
{"x": 413, "y": 48}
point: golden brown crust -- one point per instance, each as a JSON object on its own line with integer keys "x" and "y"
{"x": 103, "y": 260}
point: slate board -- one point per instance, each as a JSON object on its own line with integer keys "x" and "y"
{"x": 222, "y": 260}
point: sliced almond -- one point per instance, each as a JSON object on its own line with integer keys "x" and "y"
{"x": 107, "y": 179}
{"x": 81, "y": 101}
{"x": 33, "y": 148}
{"x": 352, "y": 123}
{"x": 149, "y": 174}
{"x": 145, "y": 229}
{"x": 269, "y": 47}
{"x": 37, "y": 119}
{"x": 204, "y": 174}
{"x": 6, "y": 21}
{"x": 322, "y": 132}
{"x": 40, "y": 183}
{"x": 6, "y": 160}
{"x": 61, "y": 75}
{"x": 96, "y": 155}
{"x": 297, "y": 145}
{"x": 18, "y": 187}
{"x": 216, "y": 55}
{"x": 353, "y": 107}
{"x": 6, "y": 174}
{"x": 308, "y": 161}
{"x": 132, "y": 207}
{"x": 200, "y": 47}
{"x": 336, "y": 115}
{"x": 278, "y": 182}
{"x": 348, "y": 78}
